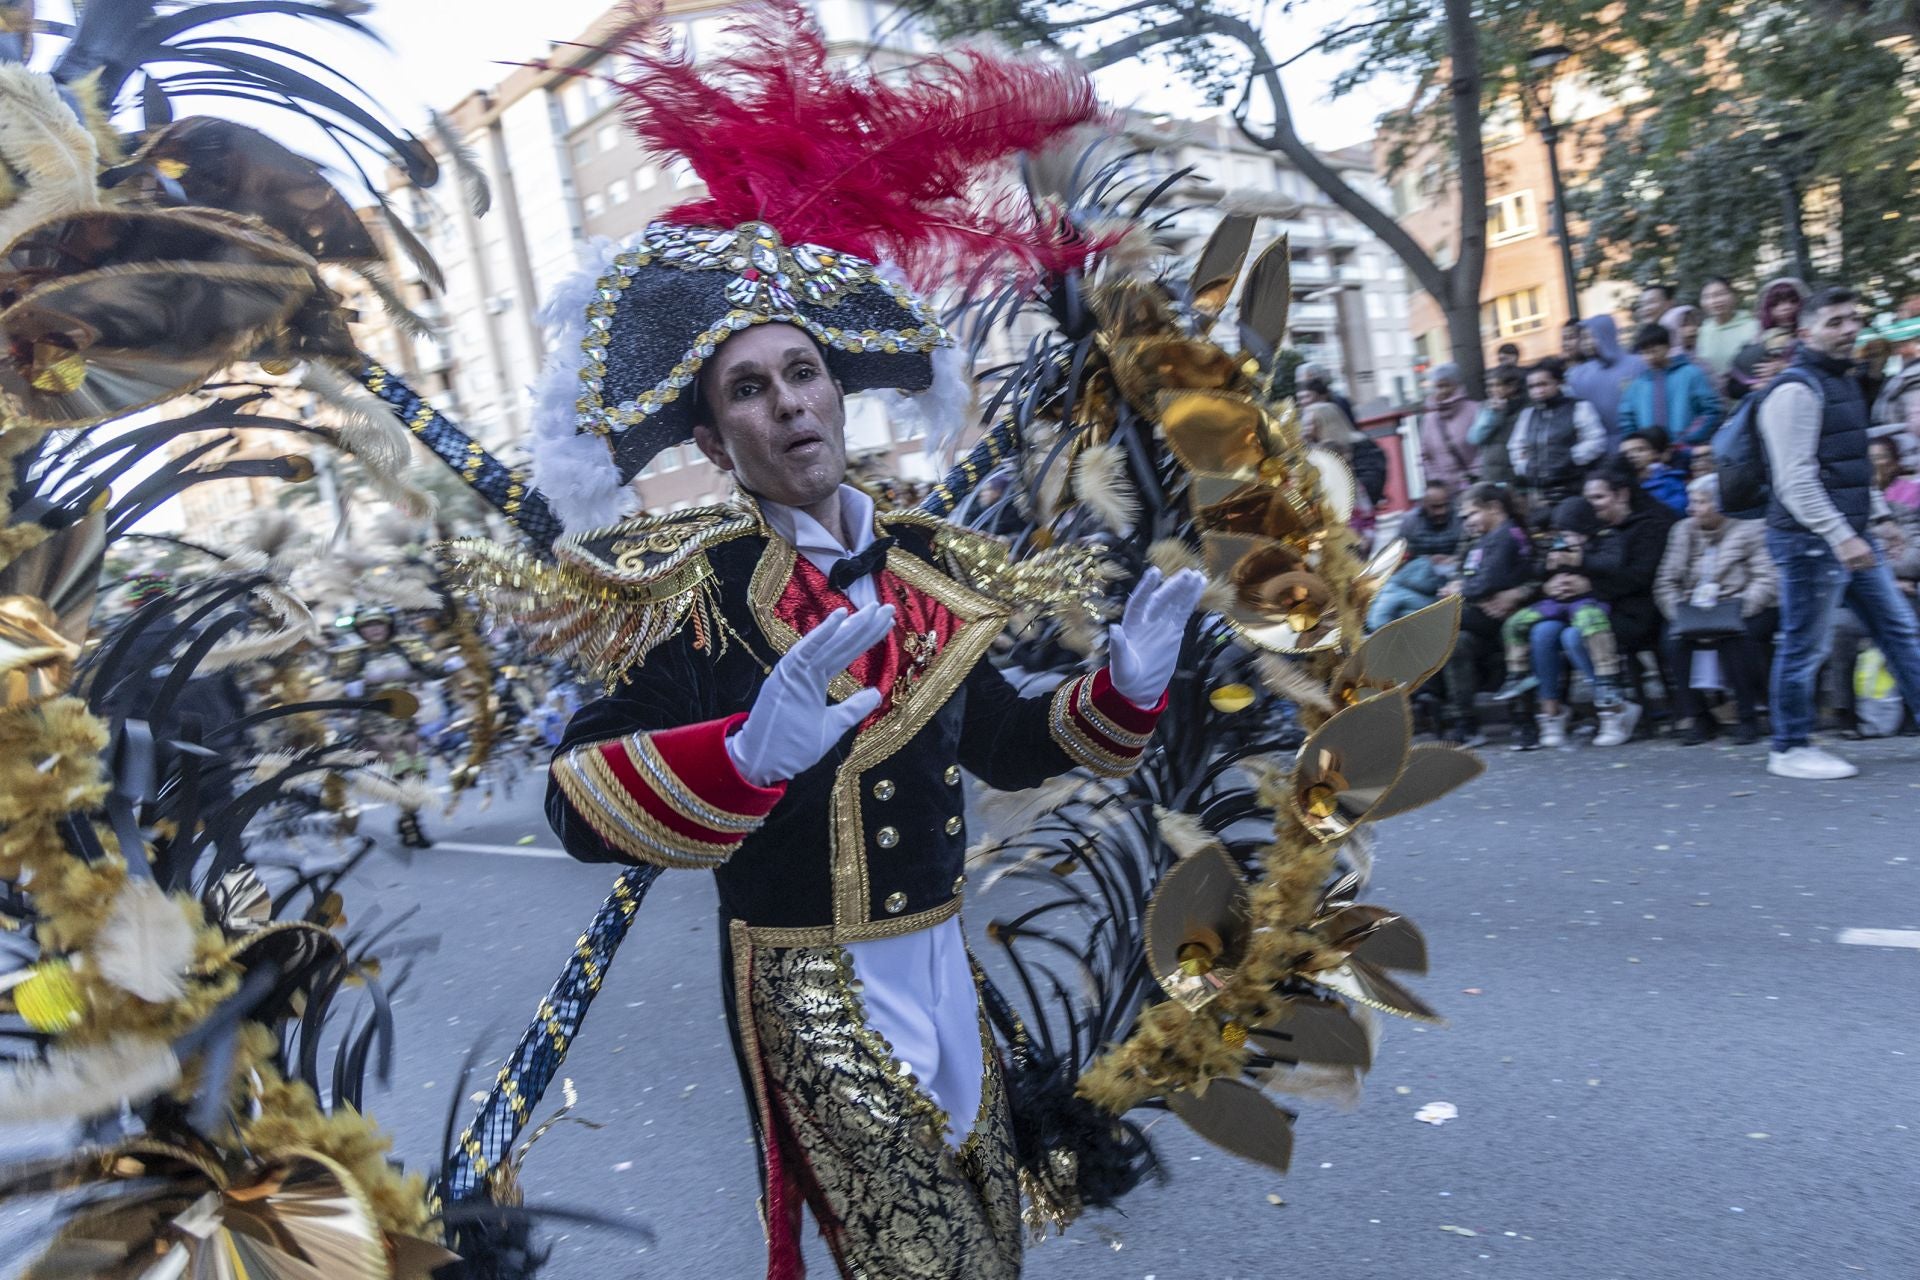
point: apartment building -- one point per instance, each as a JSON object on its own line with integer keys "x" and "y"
{"x": 565, "y": 171}
{"x": 1523, "y": 295}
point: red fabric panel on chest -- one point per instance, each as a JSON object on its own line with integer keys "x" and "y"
{"x": 921, "y": 626}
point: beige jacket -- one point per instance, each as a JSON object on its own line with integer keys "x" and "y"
{"x": 1743, "y": 571}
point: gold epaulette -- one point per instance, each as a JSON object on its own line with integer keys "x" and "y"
{"x": 1067, "y": 582}
{"x": 611, "y": 595}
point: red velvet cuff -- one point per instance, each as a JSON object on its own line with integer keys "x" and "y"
{"x": 697, "y": 754}
{"x": 1122, "y": 710}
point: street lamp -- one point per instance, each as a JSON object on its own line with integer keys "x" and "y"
{"x": 1538, "y": 86}
{"x": 1787, "y": 151}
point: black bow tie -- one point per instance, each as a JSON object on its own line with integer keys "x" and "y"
{"x": 850, "y": 569}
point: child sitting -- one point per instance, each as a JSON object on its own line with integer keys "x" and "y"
{"x": 1575, "y": 622}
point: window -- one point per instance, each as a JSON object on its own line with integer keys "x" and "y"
{"x": 1511, "y": 217}
{"x": 582, "y": 151}
{"x": 683, "y": 174}
{"x": 644, "y": 177}
{"x": 607, "y": 136}
{"x": 1251, "y": 171}
{"x": 1514, "y": 313}
{"x": 1376, "y": 306}
{"x": 617, "y": 191}
{"x": 594, "y": 205}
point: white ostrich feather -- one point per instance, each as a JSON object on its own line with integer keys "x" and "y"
{"x": 373, "y": 433}
{"x": 1185, "y": 834}
{"x": 944, "y": 409}
{"x": 46, "y": 143}
{"x": 73, "y": 1084}
{"x": 1286, "y": 678}
{"x": 146, "y": 944}
{"x": 406, "y": 794}
{"x": 1100, "y": 482}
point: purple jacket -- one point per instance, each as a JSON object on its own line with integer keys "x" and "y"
{"x": 1445, "y": 452}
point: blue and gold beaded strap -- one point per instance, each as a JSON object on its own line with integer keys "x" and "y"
{"x": 479, "y": 1157}
{"x": 504, "y": 488}
{"x": 999, "y": 444}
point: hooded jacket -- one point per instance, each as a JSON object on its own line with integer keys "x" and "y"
{"x": 1446, "y": 453}
{"x": 1740, "y": 378}
{"x": 1693, "y": 407}
{"x": 1622, "y": 561}
{"x": 1601, "y": 380}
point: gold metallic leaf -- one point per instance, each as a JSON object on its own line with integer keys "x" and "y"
{"x": 1222, "y": 504}
{"x": 1278, "y": 606}
{"x": 1369, "y": 985}
{"x": 1268, "y": 293}
{"x": 1201, "y": 903}
{"x": 1229, "y": 698}
{"x": 36, "y": 660}
{"x": 1238, "y": 1118}
{"x": 1144, "y": 367}
{"x": 148, "y": 302}
{"x": 1349, "y": 763}
{"x": 1133, "y": 307}
{"x": 1376, "y": 935}
{"x": 1432, "y": 771}
{"x": 1337, "y": 488}
{"x": 1380, "y": 566}
{"x": 1319, "y": 1031}
{"x": 1220, "y": 262}
{"x": 1401, "y": 655}
{"x": 1214, "y": 431}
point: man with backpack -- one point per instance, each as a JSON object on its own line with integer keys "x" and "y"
{"x": 1821, "y": 511}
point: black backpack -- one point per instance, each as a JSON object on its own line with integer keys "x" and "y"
{"x": 1740, "y": 455}
{"x": 1369, "y": 463}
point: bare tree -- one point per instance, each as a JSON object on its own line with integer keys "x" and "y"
{"x": 1191, "y": 25}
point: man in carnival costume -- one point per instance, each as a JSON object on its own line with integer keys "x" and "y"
{"x": 798, "y": 681}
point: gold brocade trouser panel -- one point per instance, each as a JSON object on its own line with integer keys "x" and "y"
{"x": 894, "y": 1200}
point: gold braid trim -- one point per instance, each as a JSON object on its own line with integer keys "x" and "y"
{"x": 612, "y": 595}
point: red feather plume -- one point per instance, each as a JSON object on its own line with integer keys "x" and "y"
{"x": 903, "y": 171}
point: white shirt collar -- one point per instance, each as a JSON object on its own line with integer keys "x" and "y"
{"x": 809, "y": 536}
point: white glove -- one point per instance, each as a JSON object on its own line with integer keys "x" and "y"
{"x": 1144, "y": 646}
{"x": 791, "y": 726}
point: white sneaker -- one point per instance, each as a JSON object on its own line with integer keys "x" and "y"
{"x": 1553, "y": 730}
{"x": 1810, "y": 764}
{"x": 1616, "y": 724}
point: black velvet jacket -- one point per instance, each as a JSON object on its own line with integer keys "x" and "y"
{"x": 870, "y": 842}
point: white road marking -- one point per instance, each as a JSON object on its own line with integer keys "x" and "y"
{"x": 1880, "y": 937}
{"x": 512, "y": 850}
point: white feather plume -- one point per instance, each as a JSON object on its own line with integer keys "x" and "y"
{"x": 1100, "y": 482}
{"x": 1185, "y": 834}
{"x": 370, "y": 430}
{"x": 146, "y": 944}
{"x": 406, "y": 794}
{"x": 46, "y": 143}
{"x": 576, "y": 472}
{"x": 1289, "y": 680}
{"x": 944, "y": 409}
{"x": 72, "y": 1084}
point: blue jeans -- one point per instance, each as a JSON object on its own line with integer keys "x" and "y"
{"x": 1813, "y": 583}
{"x": 1555, "y": 643}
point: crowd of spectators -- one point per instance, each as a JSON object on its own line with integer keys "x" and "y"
{"x": 1577, "y": 513}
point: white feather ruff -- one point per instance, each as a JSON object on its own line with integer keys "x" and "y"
{"x": 1185, "y": 834}
{"x": 576, "y": 472}
{"x": 146, "y": 945}
{"x": 42, "y": 140}
{"x": 72, "y": 1084}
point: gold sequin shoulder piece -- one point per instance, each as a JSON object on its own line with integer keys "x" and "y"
{"x": 611, "y": 595}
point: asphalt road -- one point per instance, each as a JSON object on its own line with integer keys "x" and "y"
{"x": 1666, "y": 1058}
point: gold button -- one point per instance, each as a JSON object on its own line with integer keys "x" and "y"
{"x": 896, "y": 903}
{"x": 953, "y": 775}
{"x": 886, "y": 837}
{"x": 953, "y": 825}
{"x": 959, "y": 883}
{"x": 883, "y": 789}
